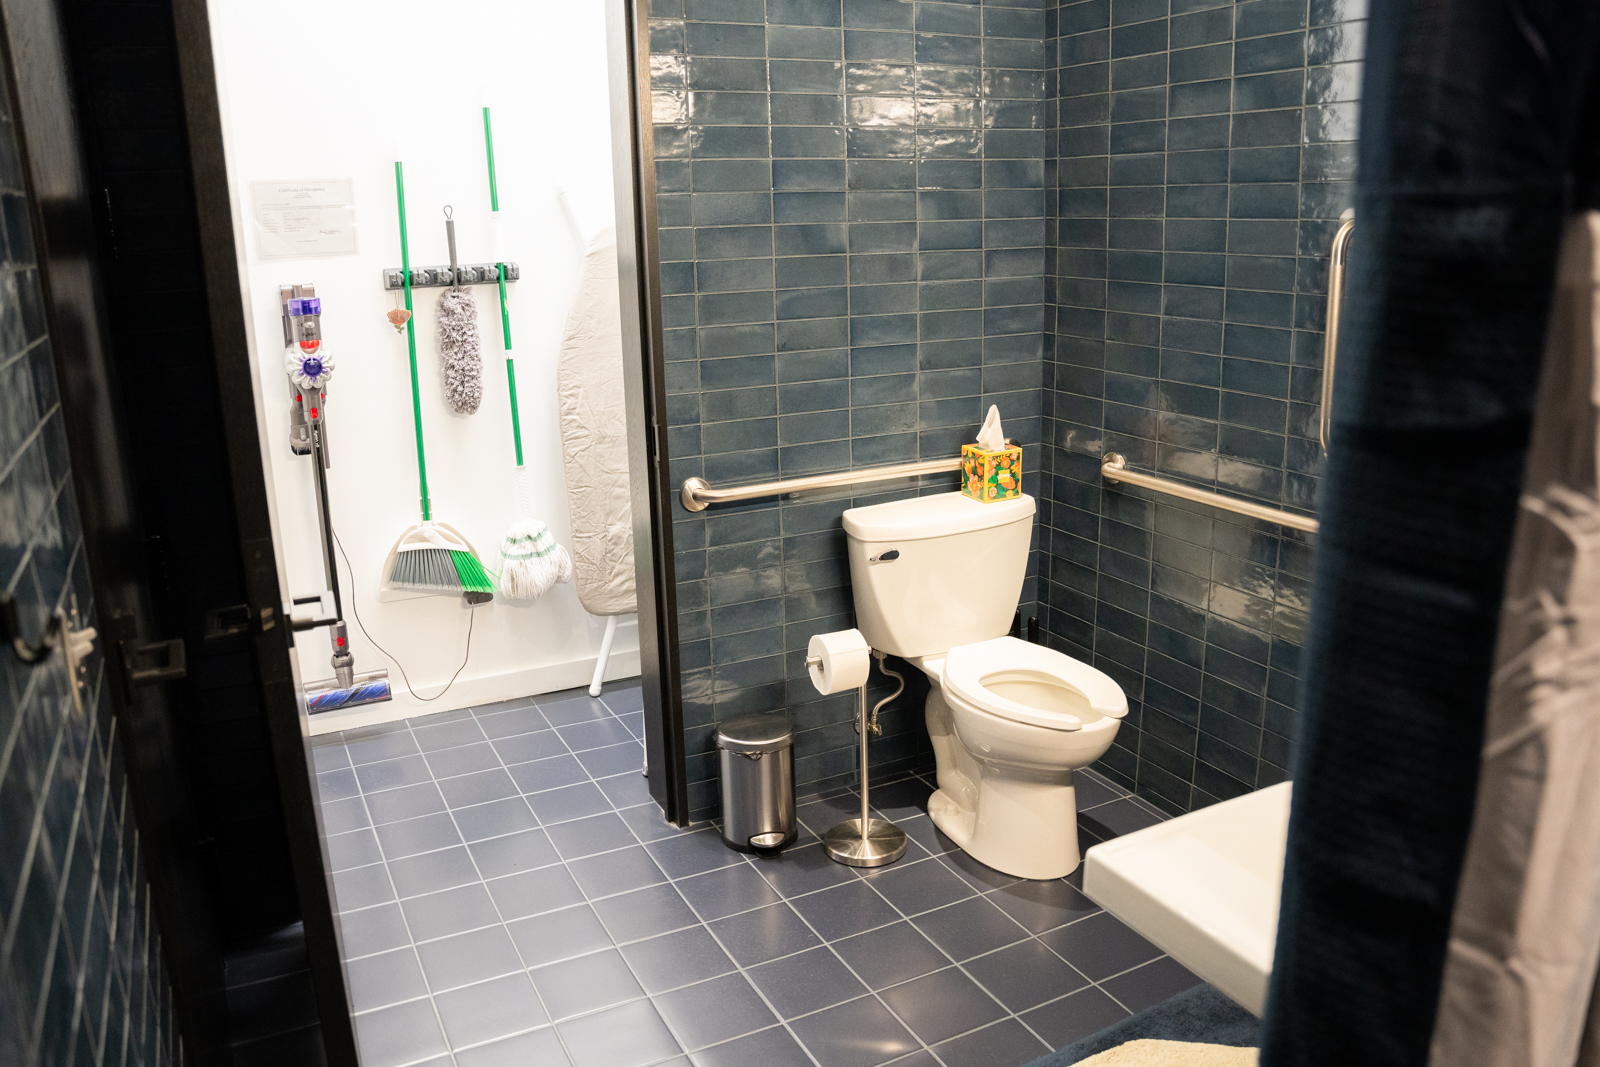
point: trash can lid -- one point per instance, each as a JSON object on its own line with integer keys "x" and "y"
{"x": 755, "y": 733}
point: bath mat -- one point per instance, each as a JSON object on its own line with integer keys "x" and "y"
{"x": 1201, "y": 1014}
{"x": 1149, "y": 1053}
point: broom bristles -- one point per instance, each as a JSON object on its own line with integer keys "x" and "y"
{"x": 440, "y": 570}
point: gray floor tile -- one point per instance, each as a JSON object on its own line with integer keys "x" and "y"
{"x": 1150, "y": 984}
{"x": 433, "y": 871}
{"x": 574, "y": 710}
{"x": 540, "y": 1048}
{"x": 1043, "y": 906}
{"x": 362, "y": 887}
{"x": 970, "y": 928}
{"x": 559, "y": 935}
{"x": 552, "y": 772}
{"x": 385, "y": 979}
{"x": 926, "y": 836}
{"x": 1004, "y": 1042}
{"x": 337, "y": 785}
{"x": 508, "y": 723}
{"x": 644, "y": 913}
{"x": 379, "y": 929}
{"x": 626, "y": 700}
{"x": 614, "y": 759}
{"x": 585, "y": 984}
{"x": 764, "y": 934}
{"x": 616, "y": 872}
{"x": 677, "y": 959}
{"x": 450, "y": 762}
{"x": 453, "y": 734}
{"x": 453, "y": 911}
{"x": 525, "y": 851}
{"x": 684, "y": 854}
{"x": 495, "y": 819}
{"x": 329, "y": 755}
{"x": 534, "y": 892}
{"x": 1025, "y": 975}
{"x": 772, "y": 1047}
{"x": 646, "y": 822}
{"x": 921, "y": 1058}
{"x": 806, "y": 982}
{"x": 714, "y": 1011}
{"x": 586, "y": 837}
{"x": 358, "y": 848}
{"x": 1100, "y": 946}
{"x": 941, "y": 1005}
{"x": 845, "y": 910}
{"x": 727, "y": 891}
{"x": 823, "y": 814}
{"x": 466, "y": 959}
{"x": 632, "y": 1035}
{"x": 480, "y": 787}
{"x": 1118, "y": 817}
{"x": 399, "y": 1035}
{"x": 594, "y": 733}
{"x": 628, "y": 790}
{"x": 570, "y": 802}
{"x": 891, "y": 954}
{"x": 980, "y": 877}
{"x": 342, "y": 816}
{"x": 521, "y": 748}
{"x": 410, "y": 802}
{"x": 796, "y": 871}
{"x": 861, "y": 1033}
{"x": 905, "y": 799}
{"x": 1074, "y": 1017}
{"x": 914, "y": 888}
{"x": 373, "y": 746}
{"x": 392, "y": 773}
{"x": 1092, "y": 790}
{"x": 411, "y": 837}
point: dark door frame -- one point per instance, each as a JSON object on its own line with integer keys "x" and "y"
{"x": 639, "y": 281}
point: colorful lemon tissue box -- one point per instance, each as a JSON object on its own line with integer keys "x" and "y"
{"x": 990, "y": 475}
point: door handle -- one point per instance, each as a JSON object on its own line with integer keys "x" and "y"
{"x": 139, "y": 676}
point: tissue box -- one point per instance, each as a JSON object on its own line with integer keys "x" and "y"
{"x": 990, "y": 476}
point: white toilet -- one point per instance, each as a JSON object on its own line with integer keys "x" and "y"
{"x": 936, "y": 582}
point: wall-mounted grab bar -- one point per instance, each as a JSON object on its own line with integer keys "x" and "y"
{"x": 1114, "y": 468}
{"x": 697, "y": 493}
{"x": 1338, "y": 256}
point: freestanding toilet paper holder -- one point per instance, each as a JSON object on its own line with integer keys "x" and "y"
{"x": 864, "y": 842}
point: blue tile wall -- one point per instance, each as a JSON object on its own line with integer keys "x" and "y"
{"x": 1203, "y": 154}
{"x": 851, "y": 197}
{"x": 81, "y": 979}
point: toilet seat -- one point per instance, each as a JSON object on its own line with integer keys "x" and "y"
{"x": 966, "y": 667}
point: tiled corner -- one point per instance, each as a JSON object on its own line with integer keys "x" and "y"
{"x": 557, "y": 926}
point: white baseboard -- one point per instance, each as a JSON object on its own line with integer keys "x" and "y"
{"x": 474, "y": 692}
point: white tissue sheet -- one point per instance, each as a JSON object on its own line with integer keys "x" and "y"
{"x": 990, "y": 437}
{"x": 594, "y": 436}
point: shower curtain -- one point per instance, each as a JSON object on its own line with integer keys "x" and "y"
{"x": 1477, "y": 145}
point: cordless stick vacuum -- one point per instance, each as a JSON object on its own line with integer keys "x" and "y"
{"x": 309, "y": 368}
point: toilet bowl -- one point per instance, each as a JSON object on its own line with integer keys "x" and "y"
{"x": 936, "y": 580}
{"x": 1010, "y": 723}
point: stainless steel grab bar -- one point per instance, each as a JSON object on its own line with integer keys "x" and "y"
{"x": 1338, "y": 256}
{"x": 1114, "y": 467}
{"x": 697, "y": 494}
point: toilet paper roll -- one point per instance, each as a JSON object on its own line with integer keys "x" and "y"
{"x": 845, "y": 661}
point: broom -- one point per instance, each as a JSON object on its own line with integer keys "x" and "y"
{"x": 530, "y": 560}
{"x": 430, "y": 557}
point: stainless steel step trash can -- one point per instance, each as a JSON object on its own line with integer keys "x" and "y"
{"x": 757, "y": 783}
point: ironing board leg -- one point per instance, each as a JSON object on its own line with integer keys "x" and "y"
{"x": 605, "y": 654}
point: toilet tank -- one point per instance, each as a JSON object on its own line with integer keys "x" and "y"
{"x": 932, "y": 572}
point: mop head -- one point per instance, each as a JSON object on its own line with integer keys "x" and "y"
{"x": 458, "y": 344}
{"x": 531, "y": 561}
{"x": 433, "y": 558}
{"x": 327, "y": 696}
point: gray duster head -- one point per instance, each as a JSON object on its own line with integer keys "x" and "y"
{"x": 458, "y": 345}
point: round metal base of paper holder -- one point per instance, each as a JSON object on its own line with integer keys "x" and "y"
{"x": 883, "y": 843}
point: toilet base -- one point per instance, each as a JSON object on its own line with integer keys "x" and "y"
{"x": 1024, "y": 829}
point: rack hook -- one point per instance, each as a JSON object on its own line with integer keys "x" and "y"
{"x": 11, "y": 631}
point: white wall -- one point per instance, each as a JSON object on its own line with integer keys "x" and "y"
{"x": 318, "y": 90}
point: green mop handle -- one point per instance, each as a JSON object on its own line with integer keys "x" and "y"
{"x": 411, "y": 339}
{"x": 500, "y": 269}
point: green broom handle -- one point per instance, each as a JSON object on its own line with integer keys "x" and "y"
{"x": 411, "y": 339}
{"x": 505, "y": 312}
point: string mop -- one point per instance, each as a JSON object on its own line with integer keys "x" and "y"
{"x": 530, "y": 560}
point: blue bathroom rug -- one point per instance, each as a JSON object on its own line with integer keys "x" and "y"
{"x": 1201, "y": 1014}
